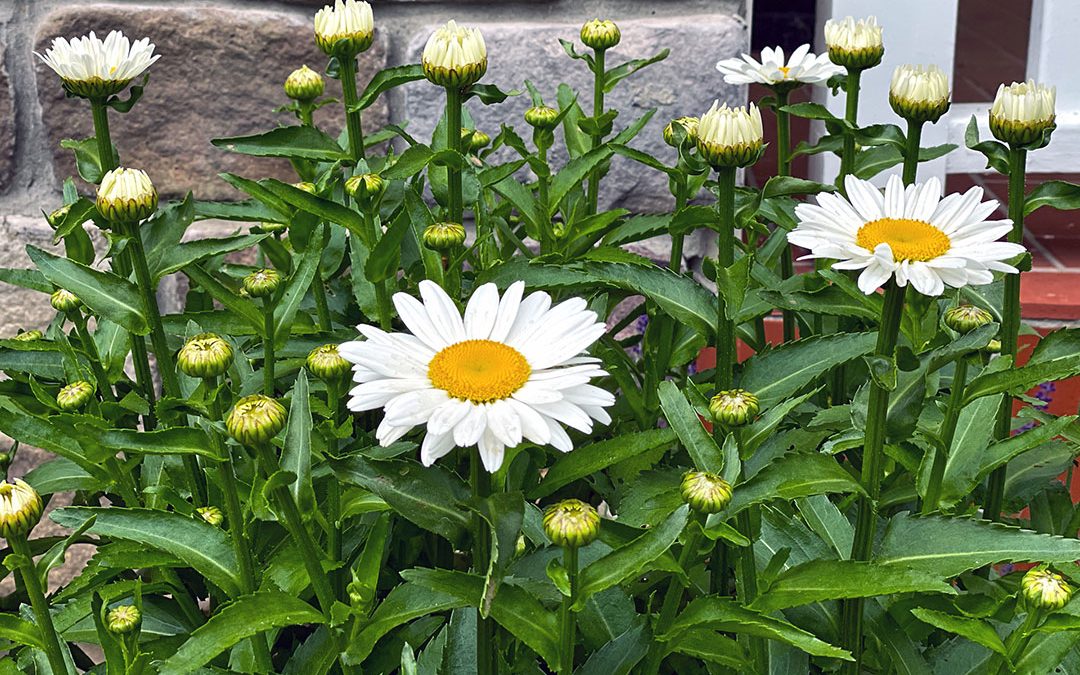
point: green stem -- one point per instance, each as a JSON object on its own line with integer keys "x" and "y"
{"x": 1016, "y": 642}
{"x": 1010, "y": 325}
{"x": 911, "y": 152}
{"x": 566, "y": 615}
{"x": 948, "y": 432}
{"x": 748, "y": 576}
{"x": 485, "y": 628}
{"x": 32, "y": 583}
{"x": 599, "y": 79}
{"x": 673, "y": 597}
{"x": 347, "y": 70}
{"x": 333, "y": 493}
{"x": 90, "y": 347}
{"x": 268, "y": 346}
{"x": 453, "y": 141}
{"x": 382, "y": 294}
{"x": 872, "y": 465}
{"x": 725, "y": 328}
{"x": 851, "y": 115}
{"x": 542, "y": 187}
{"x": 318, "y": 290}
{"x": 101, "y": 133}
{"x": 783, "y": 168}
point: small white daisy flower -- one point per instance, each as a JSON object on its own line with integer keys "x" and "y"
{"x": 910, "y": 234}
{"x": 511, "y": 369}
{"x": 92, "y": 68}
{"x": 802, "y": 67}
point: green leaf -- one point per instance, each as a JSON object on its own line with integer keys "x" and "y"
{"x": 756, "y": 433}
{"x": 385, "y": 259}
{"x": 297, "y": 142}
{"x": 619, "y": 656}
{"x": 44, "y": 434}
{"x": 811, "y": 111}
{"x": 964, "y": 460}
{"x": 250, "y": 211}
{"x": 173, "y": 441}
{"x": 710, "y": 645}
{"x": 796, "y": 474}
{"x": 1021, "y": 379}
{"x": 686, "y": 422}
{"x": 245, "y": 617}
{"x": 60, "y": 474}
{"x": 104, "y": 293}
{"x": 818, "y": 580}
{"x": 188, "y": 252}
{"x": 997, "y": 155}
{"x": 385, "y": 80}
{"x": 87, "y": 161}
{"x": 589, "y": 459}
{"x": 236, "y": 305}
{"x": 323, "y": 208}
{"x": 571, "y": 175}
{"x": 775, "y": 374}
{"x": 404, "y": 603}
{"x": 624, "y": 70}
{"x": 976, "y": 630}
{"x": 631, "y": 559}
{"x": 26, "y": 278}
{"x": 21, "y": 631}
{"x": 296, "y": 289}
{"x": 1056, "y": 193}
{"x": 296, "y": 453}
{"x": 205, "y": 547}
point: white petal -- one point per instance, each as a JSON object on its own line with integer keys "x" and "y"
{"x": 481, "y": 312}
{"x": 442, "y": 311}
{"x": 434, "y": 447}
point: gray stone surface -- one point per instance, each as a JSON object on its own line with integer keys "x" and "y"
{"x": 7, "y": 125}
{"x": 686, "y": 83}
{"x": 220, "y": 74}
{"x": 21, "y": 308}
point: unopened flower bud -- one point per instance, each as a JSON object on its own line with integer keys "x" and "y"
{"x": 56, "y": 218}
{"x": 306, "y": 187}
{"x": 367, "y": 189}
{"x": 326, "y": 363}
{"x": 123, "y": 620}
{"x": 262, "y": 283}
{"x": 993, "y": 347}
{"x": 126, "y": 196}
{"x": 64, "y": 301}
{"x": 600, "y": 35}
{"x": 360, "y": 595}
{"x": 966, "y": 318}
{"x": 454, "y": 56}
{"x": 473, "y": 140}
{"x": 444, "y": 236}
{"x": 211, "y": 514}
{"x": 267, "y": 226}
{"x": 571, "y": 523}
{"x": 1044, "y": 589}
{"x": 75, "y": 395}
{"x": 304, "y": 84}
{"x": 29, "y": 336}
{"x": 1022, "y": 112}
{"x": 20, "y": 508}
{"x": 705, "y": 492}
{"x": 255, "y": 419}
{"x": 205, "y": 355}
{"x": 734, "y": 408}
{"x": 346, "y": 29}
{"x": 541, "y": 116}
{"x": 730, "y": 137}
{"x": 689, "y": 126}
{"x": 854, "y": 44}
{"x": 919, "y": 93}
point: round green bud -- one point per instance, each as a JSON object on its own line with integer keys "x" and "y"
{"x": 306, "y": 187}
{"x": 689, "y": 127}
{"x": 367, "y": 189}
{"x": 326, "y": 363}
{"x": 705, "y": 492}
{"x": 542, "y": 116}
{"x": 304, "y": 84}
{"x": 993, "y": 347}
{"x": 966, "y": 318}
{"x": 126, "y": 196}
{"x": 20, "y": 508}
{"x": 5, "y": 461}
{"x": 56, "y": 218}
{"x": 473, "y": 140}
{"x": 255, "y": 419}
{"x": 64, "y": 301}
{"x": 1044, "y": 589}
{"x": 734, "y": 408}
{"x": 600, "y": 35}
{"x": 211, "y": 514}
{"x": 205, "y": 355}
{"x": 571, "y": 523}
{"x": 123, "y": 620}
{"x": 75, "y": 395}
{"x": 262, "y": 283}
{"x": 29, "y": 336}
{"x": 444, "y": 236}
{"x": 360, "y": 595}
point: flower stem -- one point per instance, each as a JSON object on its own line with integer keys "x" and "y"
{"x": 599, "y": 79}
{"x": 32, "y": 583}
{"x": 783, "y": 168}
{"x": 347, "y": 70}
{"x": 268, "y": 346}
{"x": 566, "y": 615}
{"x": 673, "y": 596}
{"x": 90, "y": 347}
{"x": 1016, "y": 642}
{"x": 333, "y": 490}
{"x": 106, "y": 158}
{"x": 725, "y": 327}
{"x": 851, "y": 116}
{"x": 453, "y": 141}
{"x": 911, "y": 152}
{"x": 948, "y": 432}
{"x": 872, "y": 460}
{"x": 676, "y": 260}
{"x": 1010, "y": 326}
{"x": 382, "y": 294}
{"x": 485, "y": 627}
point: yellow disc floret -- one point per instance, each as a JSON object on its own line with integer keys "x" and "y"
{"x": 908, "y": 239}
{"x": 480, "y": 371}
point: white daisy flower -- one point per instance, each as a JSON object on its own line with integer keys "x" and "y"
{"x": 802, "y": 67}
{"x": 910, "y": 234}
{"x": 94, "y": 69}
{"x": 511, "y": 369}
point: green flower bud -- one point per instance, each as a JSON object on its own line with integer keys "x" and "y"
{"x": 993, "y": 347}
{"x": 211, "y": 514}
{"x": 205, "y": 355}
{"x": 966, "y": 318}
{"x": 473, "y": 140}
{"x": 56, "y": 218}
{"x": 687, "y": 124}
{"x": 20, "y": 508}
{"x": 123, "y": 620}
{"x": 75, "y": 395}
{"x": 360, "y": 595}
{"x": 367, "y": 189}
{"x": 705, "y": 492}
{"x": 455, "y": 56}
{"x": 306, "y": 187}
{"x": 734, "y": 408}
{"x": 600, "y": 34}
{"x": 1044, "y": 589}
{"x": 571, "y": 523}
{"x": 444, "y": 236}
{"x": 541, "y": 116}
{"x": 262, "y": 283}
{"x": 272, "y": 228}
{"x": 29, "y": 336}
{"x": 304, "y": 84}
{"x": 5, "y": 461}
{"x": 327, "y": 364}
{"x": 64, "y": 301}
{"x": 255, "y": 419}
{"x": 126, "y": 196}
{"x": 344, "y": 29}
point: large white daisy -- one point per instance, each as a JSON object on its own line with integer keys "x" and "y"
{"x": 92, "y": 67}
{"x": 802, "y": 67}
{"x": 511, "y": 369}
{"x": 910, "y": 234}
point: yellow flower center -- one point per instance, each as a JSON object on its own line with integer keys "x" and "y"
{"x": 480, "y": 371}
{"x": 908, "y": 239}
{"x": 785, "y": 70}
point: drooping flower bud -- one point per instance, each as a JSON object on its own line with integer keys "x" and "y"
{"x": 346, "y": 29}
{"x": 600, "y": 35}
{"x": 123, "y": 619}
{"x": 326, "y": 363}
{"x": 571, "y": 523}
{"x": 304, "y": 84}
{"x": 474, "y": 140}
{"x": 75, "y": 395}
{"x": 966, "y": 318}
{"x": 444, "y": 236}
{"x": 854, "y": 44}
{"x": 205, "y": 355}
{"x": 262, "y": 283}
{"x": 56, "y": 218}
{"x": 734, "y": 408}
{"x": 255, "y": 419}
{"x": 1044, "y": 589}
{"x": 705, "y": 492}
{"x": 64, "y": 301}
{"x": 211, "y": 514}
{"x": 689, "y": 125}
{"x": 126, "y": 196}
{"x": 1022, "y": 111}
{"x": 919, "y": 93}
{"x": 20, "y": 508}
{"x": 454, "y": 56}
{"x": 306, "y": 187}
{"x": 541, "y": 116}
{"x": 730, "y": 137}
{"x": 29, "y": 336}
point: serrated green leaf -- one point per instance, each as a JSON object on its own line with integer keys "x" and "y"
{"x": 295, "y": 142}
{"x": 775, "y": 374}
{"x": 796, "y": 474}
{"x": 817, "y": 580}
{"x": 588, "y": 459}
{"x": 976, "y": 630}
{"x": 684, "y": 419}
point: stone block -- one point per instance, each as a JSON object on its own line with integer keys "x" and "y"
{"x": 220, "y": 74}
{"x": 7, "y": 124}
{"x": 22, "y": 308}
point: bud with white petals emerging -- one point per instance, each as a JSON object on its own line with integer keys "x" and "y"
{"x": 326, "y": 363}
{"x": 64, "y": 301}
{"x": 734, "y": 408}
{"x": 966, "y": 318}
{"x": 1046, "y": 590}
{"x": 75, "y": 395}
{"x": 571, "y": 523}
{"x": 205, "y": 355}
{"x": 856, "y": 45}
{"x": 211, "y": 514}
{"x": 346, "y": 29}
{"x": 730, "y": 137}
{"x": 455, "y": 56}
{"x": 705, "y": 492}
{"x": 304, "y": 84}
{"x": 255, "y": 419}
{"x": 20, "y": 508}
{"x": 919, "y": 93}
{"x": 600, "y": 35}
{"x": 1022, "y": 111}
{"x": 126, "y": 196}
